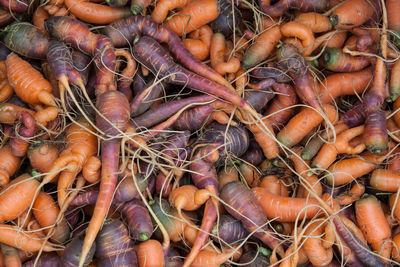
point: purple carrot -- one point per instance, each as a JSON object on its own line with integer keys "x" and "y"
{"x": 228, "y": 19}
{"x": 253, "y": 258}
{"x": 16, "y": 6}
{"x": 4, "y": 51}
{"x": 138, "y": 219}
{"x": 229, "y": 231}
{"x": 72, "y": 252}
{"x": 81, "y": 64}
{"x": 148, "y": 51}
{"x": 194, "y": 118}
{"x": 355, "y": 116}
{"x": 20, "y": 37}
{"x": 143, "y": 101}
{"x": 139, "y": 82}
{"x": 279, "y": 8}
{"x": 254, "y": 154}
{"x": 271, "y": 71}
{"x": 258, "y": 99}
{"x": 240, "y": 202}
{"x": 161, "y": 112}
{"x": 48, "y": 259}
{"x": 375, "y": 133}
{"x": 114, "y": 247}
{"x": 364, "y": 254}
{"x": 173, "y": 259}
{"x": 123, "y": 32}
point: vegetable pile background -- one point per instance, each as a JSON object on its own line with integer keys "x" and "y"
{"x": 199, "y": 133}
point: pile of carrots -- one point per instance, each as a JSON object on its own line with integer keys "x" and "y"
{"x": 198, "y": 133}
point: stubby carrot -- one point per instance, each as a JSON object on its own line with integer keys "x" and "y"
{"x": 351, "y": 14}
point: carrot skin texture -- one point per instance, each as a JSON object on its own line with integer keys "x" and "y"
{"x": 46, "y": 259}
{"x": 114, "y": 247}
{"x": 375, "y": 134}
{"x": 8, "y": 165}
{"x": 352, "y": 13}
{"x": 228, "y": 18}
{"x": 15, "y": 6}
{"x": 335, "y": 60}
{"x": 20, "y": 37}
{"x": 72, "y": 252}
{"x": 125, "y": 31}
{"x": 279, "y": 8}
{"x": 141, "y": 103}
{"x": 138, "y": 219}
{"x": 155, "y": 58}
{"x": 246, "y": 206}
{"x": 229, "y": 231}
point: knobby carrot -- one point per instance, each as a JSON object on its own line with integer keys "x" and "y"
{"x": 162, "y": 8}
{"x": 301, "y": 31}
{"x": 316, "y": 22}
{"x": 193, "y": 16}
{"x": 8, "y": 164}
{"x": 385, "y": 180}
{"x": 351, "y": 14}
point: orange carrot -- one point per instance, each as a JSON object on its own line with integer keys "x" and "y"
{"x": 261, "y": 47}
{"x": 150, "y": 254}
{"x": 301, "y": 31}
{"x": 46, "y": 212}
{"x": 91, "y": 169}
{"x": 8, "y": 164}
{"x": 211, "y": 259}
{"x": 392, "y": 8}
{"x": 347, "y": 170}
{"x": 274, "y": 185}
{"x": 395, "y": 81}
{"x": 183, "y": 198}
{"x": 5, "y": 89}
{"x": 396, "y": 246}
{"x": 385, "y": 180}
{"x": 354, "y": 194}
{"x": 340, "y": 84}
{"x": 317, "y": 253}
{"x": 38, "y": 18}
{"x": 95, "y": 13}
{"x": 226, "y": 175}
{"x": 372, "y": 222}
{"x": 316, "y": 22}
{"x": 193, "y": 16}
{"x": 17, "y": 196}
{"x": 15, "y": 237}
{"x": 351, "y": 14}
{"x": 162, "y": 8}
{"x": 31, "y": 87}
{"x": 285, "y": 209}
{"x": 42, "y": 156}
{"x": 199, "y": 42}
{"x": 302, "y": 123}
{"x": 328, "y": 152}
{"x": 10, "y": 256}
{"x": 264, "y": 137}
{"x": 250, "y": 174}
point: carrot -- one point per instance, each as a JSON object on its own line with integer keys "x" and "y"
{"x": 38, "y": 18}
{"x": 138, "y": 218}
{"x": 308, "y": 119}
{"x": 395, "y": 80}
{"x": 351, "y": 14}
{"x": 212, "y": 259}
{"x": 150, "y": 254}
{"x": 301, "y": 31}
{"x": 369, "y": 215}
{"x": 254, "y": 154}
{"x": 316, "y": 22}
{"x": 46, "y": 212}
{"x": 228, "y": 19}
{"x": 228, "y": 230}
{"x": 393, "y": 20}
{"x": 252, "y": 258}
{"x": 114, "y": 247}
{"x": 329, "y": 152}
{"x": 115, "y": 108}
{"x": 226, "y": 175}
{"x": 124, "y": 31}
{"x": 280, "y": 7}
{"x": 162, "y": 8}
{"x": 250, "y": 174}
{"x": 17, "y": 195}
{"x": 335, "y": 60}
{"x": 375, "y": 134}
{"x": 154, "y": 56}
{"x": 285, "y": 209}
{"x": 95, "y": 13}
{"x": 273, "y": 185}
{"x": 385, "y": 180}
{"x": 42, "y": 156}
{"x": 343, "y": 171}
{"x": 339, "y": 84}
{"x": 91, "y": 169}
{"x": 314, "y": 247}
{"x": 217, "y": 52}
{"x": 33, "y": 91}
{"x": 138, "y": 5}
{"x": 356, "y": 191}
{"x": 200, "y": 46}
{"x": 194, "y": 15}
{"x": 20, "y": 36}
{"x": 46, "y": 259}
{"x": 13, "y": 236}
{"x": 8, "y": 165}
{"x": 261, "y": 47}
{"x": 72, "y": 252}
{"x": 241, "y": 204}
{"x": 10, "y": 256}
{"x": 124, "y": 83}
{"x": 183, "y": 198}
{"x": 298, "y": 69}
{"x": 264, "y": 137}
{"x": 280, "y": 110}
